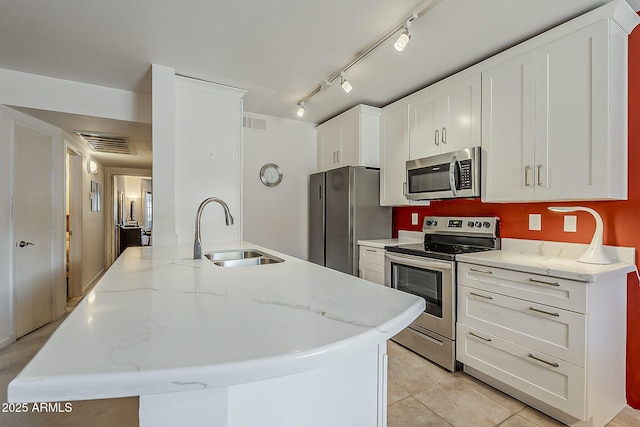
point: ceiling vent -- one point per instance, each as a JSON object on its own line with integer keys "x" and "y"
{"x": 105, "y": 143}
{"x": 254, "y": 123}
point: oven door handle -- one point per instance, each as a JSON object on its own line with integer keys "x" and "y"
{"x": 419, "y": 262}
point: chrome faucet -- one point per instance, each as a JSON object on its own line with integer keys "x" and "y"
{"x": 197, "y": 244}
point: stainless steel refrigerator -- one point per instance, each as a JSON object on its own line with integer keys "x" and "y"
{"x": 344, "y": 207}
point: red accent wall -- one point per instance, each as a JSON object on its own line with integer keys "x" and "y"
{"x": 621, "y": 221}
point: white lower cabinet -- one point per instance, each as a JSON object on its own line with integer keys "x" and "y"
{"x": 548, "y": 379}
{"x": 371, "y": 264}
{"x": 553, "y": 343}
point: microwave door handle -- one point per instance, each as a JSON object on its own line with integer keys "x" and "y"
{"x": 452, "y": 175}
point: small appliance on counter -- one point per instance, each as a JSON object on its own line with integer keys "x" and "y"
{"x": 344, "y": 207}
{"x": 428, "y": 270}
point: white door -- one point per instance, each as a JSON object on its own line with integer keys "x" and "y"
{"x": 572, "y": 113}
{"x": 461, "y": 109}
{"x": 74, "y": 224}
{"x": 508, "y": 104}
{"x": 423, "y": 139}
{"x": 394, "y": 153}
{"x": 32, "y": 197}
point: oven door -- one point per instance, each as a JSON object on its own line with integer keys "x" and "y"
{"x": 430, "y": 279}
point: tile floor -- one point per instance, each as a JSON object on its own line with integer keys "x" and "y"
{"x": 423, "y": 394}
{"x": 419, "y": 393}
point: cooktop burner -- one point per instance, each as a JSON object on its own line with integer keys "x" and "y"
{"x": 446, "y": 237}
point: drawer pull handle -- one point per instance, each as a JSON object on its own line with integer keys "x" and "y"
{"x": 542, "y": 282}
{"x": 544, "y": 312}
{"x": 481, "y": 296}
{"x": 371, "y": 250}
{"x": 555, "y": 365}
{"x": 475, "y": 270}
{"x": 478, "y": 336}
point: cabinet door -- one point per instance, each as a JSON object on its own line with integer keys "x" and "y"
{"x": 460, "y": 111}
{"x": 424, "y": 132}
{"x": 328, "y": 147}
{"x": 572, "y": 116}
{"x": 349, "y": 149}
{"x": 508, "y": 105}
{"x": 394, "y": 153}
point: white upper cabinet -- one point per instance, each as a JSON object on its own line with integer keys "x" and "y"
{"x": 352, "y": 138}
{"x": 508, "y": 104}
{"x": 445, "y": 117}
{"x": 554, "y": 119}
{"x": 576, "y": 155}
{"x": 394, "y": 153}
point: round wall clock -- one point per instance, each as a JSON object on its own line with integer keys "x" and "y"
{"x": 271, "y": 175}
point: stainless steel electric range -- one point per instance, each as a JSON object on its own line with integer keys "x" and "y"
{"x": 428, "y": 270}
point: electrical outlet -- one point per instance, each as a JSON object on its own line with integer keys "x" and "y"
{"x": 535, "y": 222}
{"x": 414, "y": 219}
{"x": 570, "y": 223}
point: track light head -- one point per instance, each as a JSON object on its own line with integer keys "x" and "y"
{"x": 403, "y": 40}
{"x": 300, "y": 111}
{"x": 346, "y": 86}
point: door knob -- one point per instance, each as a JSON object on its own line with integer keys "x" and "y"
{"x": 22, "y": 243}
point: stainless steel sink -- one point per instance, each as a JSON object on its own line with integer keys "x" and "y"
{"x": 241, "y": 258}
{"x": 233, "y": 254}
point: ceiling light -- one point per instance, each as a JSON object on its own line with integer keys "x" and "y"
{"x": 403, "y": 40}
{"x": 346, "y": 86}
{"x": 300, "y": 111}
{"x": 400, "y": 44}
{"x": 92, "y": 167}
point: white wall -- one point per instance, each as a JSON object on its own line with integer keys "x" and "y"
{"x": 164, "y": 150}
{"x": 93, "y": 238}
{"x": 196, "y": 154}
{"x": 276, "y": 217}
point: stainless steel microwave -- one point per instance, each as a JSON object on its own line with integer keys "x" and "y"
{"x": 444, "y": 176}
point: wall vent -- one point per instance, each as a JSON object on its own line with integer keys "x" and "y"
{"x": 105, "y": 143}
{"x": 254, "y": 123}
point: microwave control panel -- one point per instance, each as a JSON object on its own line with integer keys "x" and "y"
{"x": 465, "y": 175}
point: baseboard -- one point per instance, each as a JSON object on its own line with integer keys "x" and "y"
{"x": 93, "y": 282}
{"x": 6, "y": 342}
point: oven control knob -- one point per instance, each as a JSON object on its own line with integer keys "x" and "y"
{"x": 427, "y": 223}
{"x": 470, "y": 224}
{"x": 486, "y": 224}
{"x": 478, "y": 224}
{"x": 434, "y": 223}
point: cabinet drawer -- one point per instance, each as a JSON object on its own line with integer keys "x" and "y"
{"x": 372, "y": 255}
{"x": 550, "y": 380}
{"x": 559, "y": 333}
{"x": 552, "y": 291}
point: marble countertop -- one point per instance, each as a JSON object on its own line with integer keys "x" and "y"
{"x": 160, "y": 322}
{"x": 403, "y": 237}
{"x": 554, "y": 259}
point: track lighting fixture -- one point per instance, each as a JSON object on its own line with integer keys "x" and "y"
{"x": 399, "y": 45}
{"x": 346, "y": 86}
{"x": 300, "y": 111}
{"x": 404, "y": 38}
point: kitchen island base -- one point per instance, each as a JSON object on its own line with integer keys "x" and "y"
{"x": 345, "y": 393}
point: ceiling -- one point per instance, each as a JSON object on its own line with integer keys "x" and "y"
{"x": 278, "y": 51}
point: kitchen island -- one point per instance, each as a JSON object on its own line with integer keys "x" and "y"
{"x": 281, "y": 344}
